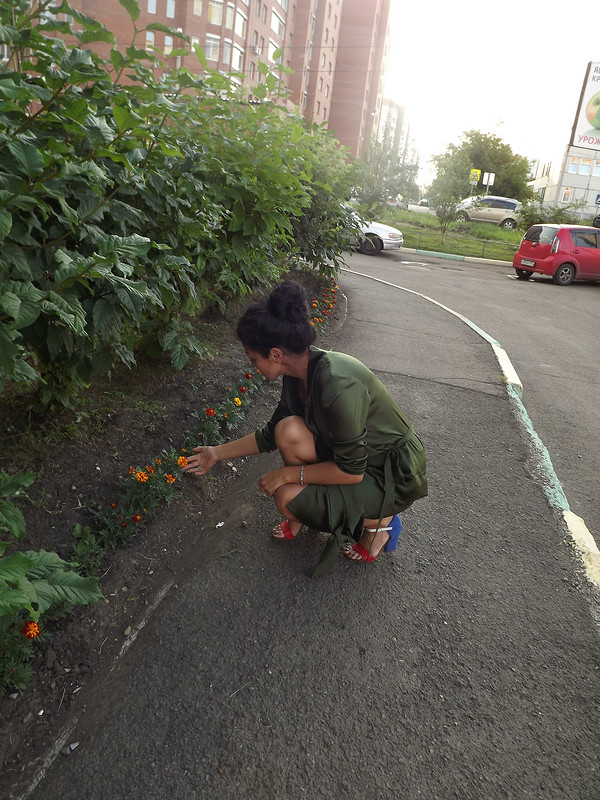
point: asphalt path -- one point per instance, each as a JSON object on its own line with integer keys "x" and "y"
{"x": 551, "y": 335}
{"x": 462, "y": 666}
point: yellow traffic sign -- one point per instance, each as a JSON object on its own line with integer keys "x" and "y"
{"x": 475, "y": 174}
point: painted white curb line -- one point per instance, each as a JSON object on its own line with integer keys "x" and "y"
{"x": 581, "y": 537}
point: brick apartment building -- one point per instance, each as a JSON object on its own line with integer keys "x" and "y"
{"x": 335, "y": 49}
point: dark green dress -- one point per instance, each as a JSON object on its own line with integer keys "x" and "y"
{"x": 356, "y": 423}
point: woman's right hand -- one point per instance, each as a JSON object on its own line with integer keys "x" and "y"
{"x": 202, "y": 461}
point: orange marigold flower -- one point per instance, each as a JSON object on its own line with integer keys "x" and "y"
{"x": 31, "y": 629}
{"x": 158, "y": 462}
{"x": 237, "y": 401}
{"x": 249, "y": 376}
{"x": 210, "y": 412}
{"x": 315, "y": 304}
{"x": 112, "y": 505}
{"x": 225, "y": 415}
{"x": 131, "y": 470}
{"x": 258, "y": 372}
{"x": 182, "y": 461}
{"x": 123, "y": 524}
{"x": 150, "y": 469}
{"x": 325, "y": 311}
{"x": 243, "y": 389}
{"x": 170, "y": 478}
{"x": 312, "y": 323}
{"x": 142, "y": 477}
{"x": 136, "y": 518}
{"x": 183, "y": 450}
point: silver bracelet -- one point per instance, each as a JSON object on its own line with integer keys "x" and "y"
{"x": 302, "y": 475}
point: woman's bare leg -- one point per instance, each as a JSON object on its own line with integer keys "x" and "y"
{"x": 372, "y": 541}
{"x": 296, "y": 445}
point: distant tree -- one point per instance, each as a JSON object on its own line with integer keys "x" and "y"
{"x": 488, "y": 153}
{"x": 386, "y": 171}
{"x": 444, "y": 198}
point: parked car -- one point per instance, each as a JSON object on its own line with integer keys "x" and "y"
{"x": 398, "y": 202}
{"x": 378, "y": 237}
{"x": 424, "y": 202}
{"x": 503, "y": 211}
{"x": 565, "y": 252}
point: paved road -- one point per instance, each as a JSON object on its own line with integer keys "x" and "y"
{"x": 551, "y": 335}
{"x": 463, "y": 666}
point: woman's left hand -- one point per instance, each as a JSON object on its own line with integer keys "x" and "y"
{"x": 271, "y": 481}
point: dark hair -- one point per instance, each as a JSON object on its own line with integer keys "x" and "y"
{"x": 279, "y": 321}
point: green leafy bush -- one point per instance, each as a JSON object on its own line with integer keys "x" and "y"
{"x": 133, "y": 196}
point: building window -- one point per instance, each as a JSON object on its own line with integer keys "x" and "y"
{"x": 212, "y": 48}
{"x": 151, "y": 7}
{"x": 284, "y": 4}
{"x": 566, "y": 195}
{"x": 215, "y": 12}
{"x": 229, "y": 16}
{"x": 313, "y": 25}
{"x": 596, "y": 170}
{"x": 168, "y": 45}
{"x": 304, "y": 99}
{"x": 197, "y": 8}
{"x": 322, "y": 59}
{"x": 277, "y": 24}
{"x": 264, "y": 13}
{"x": 238, "y": 58}
{"x": 327, "y": 91}
{"x": 252, "y": 70}
{"x": 170, "y": 8}
{"x": 307, "y": 75}
{"x": 586, "y": 166}
{"x": 320, "y": 84}
{"x": 329, "y": 70}
{"x": 241, "y": 23}
{"x": 573, "y": 165}
{"x": 257, "y": 12}
{"x": 326, "y": 34}
{"x": 329, "y": 11}
{"x": 195, "y": 41}
{"x": 149, "y": 40}
{"x": 318, "y": 106}
{"x": 324, "y": 112}
{"x": 273, "y": 46}
{"x": 226, "y": 54}
{"x": 310, "y": 49}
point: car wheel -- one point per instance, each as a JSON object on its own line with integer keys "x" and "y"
{"x": 523, "y": 274}
{"x": 509, "y": 224}
{"x": 463, "y": 216}
{"x": 564, "y": 275}
{"x": 371, "y": 246}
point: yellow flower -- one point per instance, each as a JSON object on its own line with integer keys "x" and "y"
{"x": 237, "y": 401}
{"x": 182, "y": 461}
{"x": 170, "y": 478}
{"x": 142, "y": 477}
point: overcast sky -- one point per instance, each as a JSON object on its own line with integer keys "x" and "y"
{"x": 513, "y": 68}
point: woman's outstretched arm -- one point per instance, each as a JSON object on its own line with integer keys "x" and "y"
{"x": 205, "y": 458}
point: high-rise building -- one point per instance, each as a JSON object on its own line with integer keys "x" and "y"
{"x": 335, "y": 48}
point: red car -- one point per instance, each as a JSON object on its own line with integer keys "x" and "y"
{"x": 565, "y": 252}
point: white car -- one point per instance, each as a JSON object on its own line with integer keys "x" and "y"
{"x": 378, "y": 237}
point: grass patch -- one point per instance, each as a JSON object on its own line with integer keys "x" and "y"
{"x": 479, "y": 239}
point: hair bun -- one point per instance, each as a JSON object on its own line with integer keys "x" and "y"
{"x": 288, "y": 302}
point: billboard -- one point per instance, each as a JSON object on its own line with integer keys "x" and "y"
{"x": 586, "y": 130}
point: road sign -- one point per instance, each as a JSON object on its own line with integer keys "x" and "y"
{"x": 598, "y": 199}
{"x": 474, "y": 175}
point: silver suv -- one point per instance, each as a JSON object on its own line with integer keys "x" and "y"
{"x": 503, "y": 211}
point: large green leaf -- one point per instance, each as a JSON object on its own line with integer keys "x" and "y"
{"x": 131, "y": 7}
{"x": 5, "y": 223}
{"x": 11, "y": 519}
{"x": 28, "y": 157}
{"x": 11, "y": 484}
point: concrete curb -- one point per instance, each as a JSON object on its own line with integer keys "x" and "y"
{"x": 454, "y": 257}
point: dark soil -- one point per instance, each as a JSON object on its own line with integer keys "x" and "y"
{"x": 82, "y": 457}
